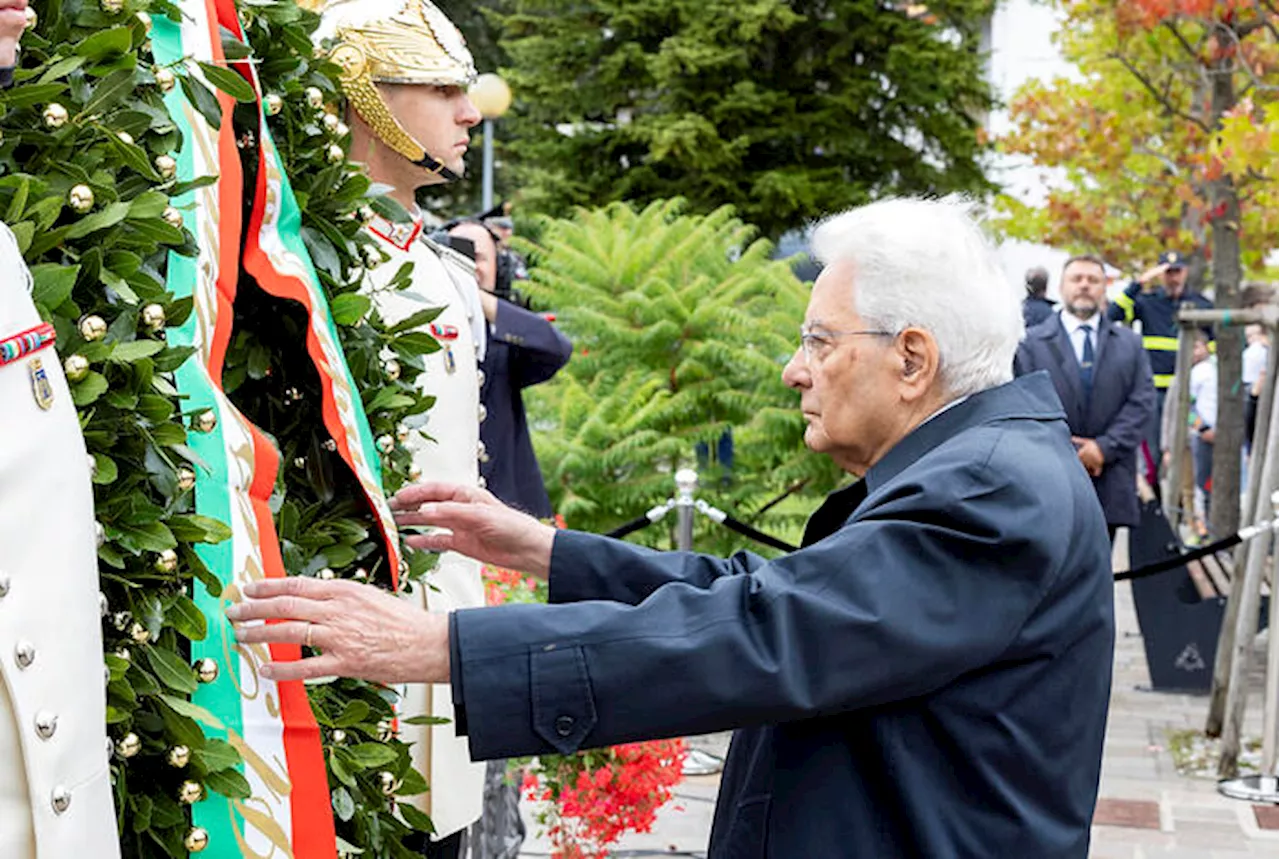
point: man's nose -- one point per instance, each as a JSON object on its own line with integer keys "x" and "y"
{"x": 468, "y": 115}
{"x": 796, "y": 373}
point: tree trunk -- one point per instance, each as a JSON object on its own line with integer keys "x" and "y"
{"x": 1224, "y": 515}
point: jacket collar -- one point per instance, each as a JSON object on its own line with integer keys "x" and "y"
{"x": 398, "y": 235}
{"x": 1031, "y": 396}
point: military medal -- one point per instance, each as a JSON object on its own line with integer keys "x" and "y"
{"x": 26, "y": 342}
{"x": 446, "y": 334}
{"x": 40, "y": 386}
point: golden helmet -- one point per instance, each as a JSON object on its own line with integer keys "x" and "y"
{"x": 398, "y": 42}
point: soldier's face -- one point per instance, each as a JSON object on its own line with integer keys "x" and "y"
{"x": 438, "y": 117}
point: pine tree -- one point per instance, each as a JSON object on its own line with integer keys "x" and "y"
{"x": 785, "y": 110}
{"x": 681, "y": 325}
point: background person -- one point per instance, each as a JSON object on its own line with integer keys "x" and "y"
{"x": 899, "y": 683}
{"x": 1037, "y": 307}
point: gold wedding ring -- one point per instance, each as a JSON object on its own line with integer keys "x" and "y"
{"x": 307, "y": 638}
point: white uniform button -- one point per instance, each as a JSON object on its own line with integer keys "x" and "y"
{"x": 480, "y": 378}
{"x": 481, "y": 413}
{"x": 61, "y": 799}
{"x": 24, "y": 654}
{"x": 4, "y": 585}
{"x": 481, "y": 482}
{"x": 482, "y": 452}
{"x": 46, "y": 724}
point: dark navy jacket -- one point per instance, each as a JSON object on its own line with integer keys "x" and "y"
{"x": 1158, "y": 314}
{"x": 927, "y": 677}
{"x": 1116, "y": 414}
{"x": 524, "y": 349}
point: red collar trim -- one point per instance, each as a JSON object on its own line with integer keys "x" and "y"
{"x": 401, "y": 236}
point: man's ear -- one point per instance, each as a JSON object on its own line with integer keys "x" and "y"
{"x": 920, "y": 361}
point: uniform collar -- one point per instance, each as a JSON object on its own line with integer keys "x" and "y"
{"x": 399, "y": 235}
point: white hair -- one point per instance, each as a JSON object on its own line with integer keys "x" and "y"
{"x": 927, "y": 263}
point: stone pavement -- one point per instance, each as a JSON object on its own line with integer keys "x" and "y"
{"x": 1145, "y": 809}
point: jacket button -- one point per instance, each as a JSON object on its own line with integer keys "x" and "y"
{"x": 24, "y": 654}
{"x": 481, "y": 482}
{"x": 564, "y": 725}
{"x": 61, "y": 799}
{"x": 4, "y": 585}
{"x": 46, "y": 724}
{"x": 480, "y": 378}
{"x": 482, "y": 452}
{"x": 481, "y": 413}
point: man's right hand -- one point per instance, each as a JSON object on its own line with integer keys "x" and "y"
{"x": 13, "y": 20}
{"x": 479, "y": 526}
{"x": 1152, "y": 273}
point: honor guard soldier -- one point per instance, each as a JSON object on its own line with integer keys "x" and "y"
{"x": 55, "y": 781}
{"x": 406, "y": 69}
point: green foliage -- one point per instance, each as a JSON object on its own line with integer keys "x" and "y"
{"x": 109, "y": 261}
{"x": 785, "y": 110}
{"x": 681, "y": 326}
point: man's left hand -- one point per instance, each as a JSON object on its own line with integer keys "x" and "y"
{"x": 361, "y": 631}
{"x": 1090, "y": 455}
{"x": 13, "y": 20}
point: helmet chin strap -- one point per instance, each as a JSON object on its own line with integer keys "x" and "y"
{"x": 433, "y": 166}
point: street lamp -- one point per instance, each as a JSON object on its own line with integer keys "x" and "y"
{"x": 492, "y": 97}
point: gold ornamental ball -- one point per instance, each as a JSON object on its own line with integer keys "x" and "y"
{"x": 341, "y": 130}
{"x": 139, "y": 633}
{"x": 315, "y": 98}
{"x": 120, "y": 620}
{"x": 80, "y": 198}
{"x": 55, "y": 115}
{"x": 386, "y": 443}
{"x": 366, "y": 214}
{"x": 125, "y": 137}
{"x": 372, "y": 256}
{"x": 124, "y": 653}
{"x": 153, "y": 317}
{"x": 330, "y": 122}
{"x": 206, "y": 670}
{"x": 335, "y": 153}
{"x": 178, "y": 757}
{"x": 166, "y": 166}
{"x": 415, "y": 474}
{"x": 167, "y": 561}
{"x": 299, "y": 462}
{"x": 325, "y": 574}
{"x": 146, "y": 21}
{"x": 190, "y": 793}
{"x": 93, "y": 327}
{"x": 32, "y": 18}
{"x": 338, "y": 736}
{"x": 172, "y": 217}
{"x": 360, "y": 575}
{"x": 186, "y": 478}
{"x": 274, "y": 104}
{"x": 165, "y": 79}
{"x": 111, "y": 7}
{"x": 76, "y": 367}
{"x": 197, "y": 839}
{"x": 129, "y": 745}
{"x": 205, "y": 421}
{"x": 402, "y": 433}
{"x": 387, "y": 781}
{"x": 329, "y": 445}
{"x": 385, "y": 731}
{"x": 391, "y": 367}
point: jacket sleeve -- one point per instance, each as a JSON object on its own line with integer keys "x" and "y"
{"x": 1128, "y": 428}
{"x": 539, "y": 350}
{"x": 1124, "y": 308}
{"x": 895, "y": 604}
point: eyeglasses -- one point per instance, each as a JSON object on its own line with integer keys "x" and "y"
{"x": 817, "y": 341}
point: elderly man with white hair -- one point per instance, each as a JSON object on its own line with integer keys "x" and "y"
{"x": 927, "y": 676}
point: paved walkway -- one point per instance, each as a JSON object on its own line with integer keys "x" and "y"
{"x": 1145, "y": 809}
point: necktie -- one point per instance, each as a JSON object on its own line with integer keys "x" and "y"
{"x": 1086, "y": 361}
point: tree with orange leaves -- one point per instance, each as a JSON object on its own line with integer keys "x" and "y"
{"x": 1166, "y": 139}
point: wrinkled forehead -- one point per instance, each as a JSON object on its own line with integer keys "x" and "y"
{"x": 831, "y": 302}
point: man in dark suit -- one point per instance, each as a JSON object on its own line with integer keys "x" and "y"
{"x": 1037, "y": 307}
{"x": 1103, "y": 377}
{"x": 927, "y": 677}
{"x": 525, "y": 349}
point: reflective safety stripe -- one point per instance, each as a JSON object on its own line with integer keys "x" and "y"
{"x": 1160, "y": 344}
{"x": 1125, "y": 303}
{"x": 1162, "y": 380}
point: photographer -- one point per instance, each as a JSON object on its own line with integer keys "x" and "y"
{"x": 524, "y": 349}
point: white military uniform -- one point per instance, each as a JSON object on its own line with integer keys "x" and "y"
{"x": 55, "y": 786}
{"x": 446, "y": 448}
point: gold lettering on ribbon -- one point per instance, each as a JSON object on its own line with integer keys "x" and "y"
{"x": 265, "y": 823}
{"x": 276, "y": 777}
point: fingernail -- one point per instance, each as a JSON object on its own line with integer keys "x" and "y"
{"x": 249, "y": 589}
{"x": 266, "y": 671}
{"x": 427, "y": 509}
{"x": 233, "y": 612}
